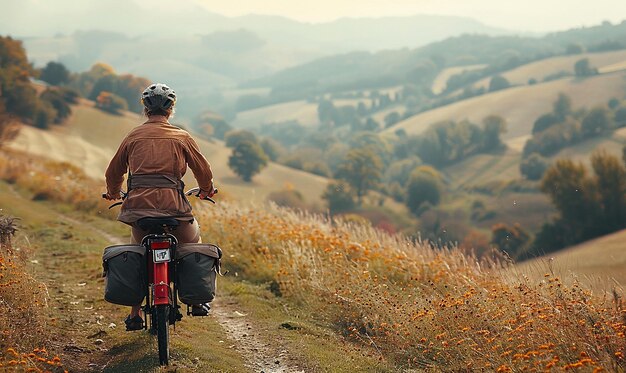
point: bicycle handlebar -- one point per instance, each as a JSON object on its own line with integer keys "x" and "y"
{"x": 195, "y": 191}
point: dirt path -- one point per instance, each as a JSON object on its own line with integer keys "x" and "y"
{"x": 260, "y": 355}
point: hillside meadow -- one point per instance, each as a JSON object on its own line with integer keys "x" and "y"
{"x": 521, "y": 105}
{"x": 304, "y": 112}
{"x": 605, "y": 62}
{"x": 598, "y": 263}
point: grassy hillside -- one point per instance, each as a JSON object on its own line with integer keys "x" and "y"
{"x": 521, "y": 106}
{"x": 90, "y": 138}
{"x": 302, "y": 111}
{"x": 599, "y": 262}
{"x": 604, "y": 62}
{"x": 440, "y": 81}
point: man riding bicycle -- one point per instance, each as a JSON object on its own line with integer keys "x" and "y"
{"x": 156, "y": 155}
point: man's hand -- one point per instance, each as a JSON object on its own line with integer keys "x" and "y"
{"x": 204, "y": 194}
{"x": 109, "y": 197}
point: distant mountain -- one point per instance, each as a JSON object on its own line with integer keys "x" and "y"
{"x": 161, "y": 18}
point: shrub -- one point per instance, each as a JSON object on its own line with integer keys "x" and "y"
{"x": 111, "y": 103}
{"x": 534, "y": 166}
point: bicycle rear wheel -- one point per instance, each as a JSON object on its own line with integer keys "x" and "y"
{"x": 162, "y": 331}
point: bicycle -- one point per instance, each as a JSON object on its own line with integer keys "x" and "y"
{"x": 160, "y": 285}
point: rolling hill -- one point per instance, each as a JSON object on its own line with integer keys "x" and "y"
{"x": 521, "y": 105}
{"x": 598, "y": 263}
{"x": 90, "y": 137}
{"x": 604, "y": 62}
{"x": 304, "y": 112}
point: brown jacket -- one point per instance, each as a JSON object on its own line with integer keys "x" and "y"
{"x": 157, "y": 148}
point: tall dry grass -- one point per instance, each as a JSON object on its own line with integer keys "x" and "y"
{"x": 417, "y": 306}
{"x": 54, "y": 181}
{"x": 24, "y": 318}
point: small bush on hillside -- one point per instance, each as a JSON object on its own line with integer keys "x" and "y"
{"x": 111, "y": 103}
{"x": 288, "y": 197}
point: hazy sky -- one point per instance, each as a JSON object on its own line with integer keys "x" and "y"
{"x": 528, "y": 15}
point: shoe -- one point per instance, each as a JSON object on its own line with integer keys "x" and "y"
{"x": 135, "y": 323}
{"x": 200, "y": 309}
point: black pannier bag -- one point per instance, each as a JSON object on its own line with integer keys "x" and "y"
{"x": 124, "y": 274}
{"x": 197, "y": 266}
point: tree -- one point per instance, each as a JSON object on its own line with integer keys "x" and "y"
{"x": 233, "y": 138}
{"x": 497, "y": 83}
{"x": 582, "y": 68}
{"x": 598, "y": 120}
{"x": 362, "y": 169}
{"x": 218, "y": 126}
{"x": 562, "y": 107}
{"x": 371, "y": 125}
{"x": 44, "y": 114}
{"x": 574, "y": 48}
{"x": 392, "y": 118}
{"x": 110, "y": 102}
{"x": 326, "y": 111}
{"x": 17, "y": 96}
{"x": 544, "y": 122}
{"x": 57, "y": 100}
{"x": 493, "y": 127}
{"x": 272, "y": 148}
{"x": 534, "y": 166}
{"x": 400, "y": 171}
{"x": 620, "y": 116}
{"x": 511, "y": 239}
{"x": 55, "y": 73}
{"x": 610, "y": 179}
{"x": 339, "y": 197}
{"x": 424, "y": 186}
{"x": 573, "y": 193}
{"x": 247, "y": 159}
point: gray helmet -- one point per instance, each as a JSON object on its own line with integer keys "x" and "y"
{"x": 158, "y": 96}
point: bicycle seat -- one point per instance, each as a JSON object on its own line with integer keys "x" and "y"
{"x": 157, "y": 224}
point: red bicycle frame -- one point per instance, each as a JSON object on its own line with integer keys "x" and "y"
{"x": 159, "y": 271}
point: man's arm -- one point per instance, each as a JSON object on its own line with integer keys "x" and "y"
{"x": 115, "y": 172}
{"x": 201, "y": 169}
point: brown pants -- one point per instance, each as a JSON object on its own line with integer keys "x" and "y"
{"x": 186, "y": 232}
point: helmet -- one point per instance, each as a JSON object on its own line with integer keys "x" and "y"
{"x": 158, "y": 96}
